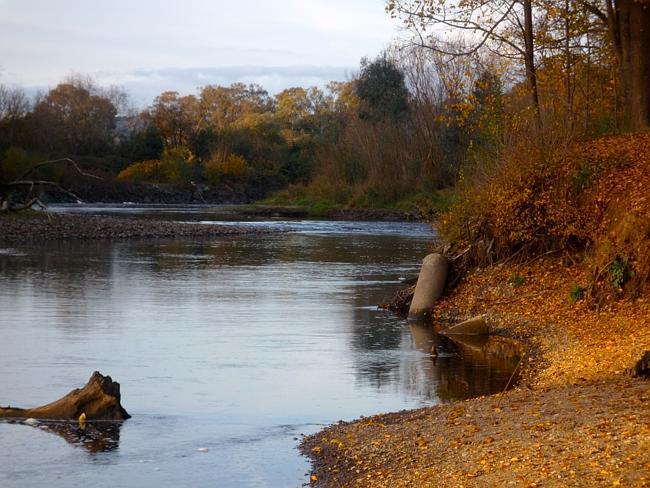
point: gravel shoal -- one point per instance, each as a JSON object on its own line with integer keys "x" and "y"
{"x": 39, "y": 227}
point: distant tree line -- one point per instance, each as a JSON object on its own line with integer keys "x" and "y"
{"x": 474, "y": 79}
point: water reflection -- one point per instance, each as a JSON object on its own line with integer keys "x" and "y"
{"x": 220, "y": 338}
{"x": 98, "y": 288}
{"x": 468, "y": 366}
{"x": 94, "y": 437}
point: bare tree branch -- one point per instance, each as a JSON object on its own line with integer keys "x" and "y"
{"x": 54, "y": 161}
{"x": 34, "y": 183}
{"x": 28, "y": 195}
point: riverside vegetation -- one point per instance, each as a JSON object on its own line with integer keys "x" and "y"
{"x": 416, "y": 119}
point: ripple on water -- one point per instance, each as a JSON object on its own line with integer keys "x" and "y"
{"x": 8, "y": 251}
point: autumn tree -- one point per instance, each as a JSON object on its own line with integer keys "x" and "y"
{"x": 293, "y": 105}
{"x": 343, "y": 95}
{"x": 71, "y": 119}
{"x": 174, "y": 117}
{"x": 220, "y": 107}
{"x": 504, "y": 27}
{"x": 519, "y": 29}
{"x": 306, "y": 110}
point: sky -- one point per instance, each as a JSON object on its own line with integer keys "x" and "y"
{"x": 149, "y": 46}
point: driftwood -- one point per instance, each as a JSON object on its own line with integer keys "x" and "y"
{"x": 98, "y": 400}
{"x": 27, "y": 187}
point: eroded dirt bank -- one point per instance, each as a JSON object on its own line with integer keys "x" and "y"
{"x": 577, "y": 417}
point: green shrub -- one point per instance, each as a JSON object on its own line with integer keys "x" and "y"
{"x": 619, "y": 272}
{"x": 516, "y": 280}
{"x": 176, "y": 165}
{"x": 577, "y": 293}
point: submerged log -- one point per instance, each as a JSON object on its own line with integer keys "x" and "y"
{"x": 99, "y": 399}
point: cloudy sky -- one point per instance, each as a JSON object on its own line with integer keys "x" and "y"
{"x": 148, "y": 46}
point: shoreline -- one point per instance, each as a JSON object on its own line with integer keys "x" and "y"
{"x": 576, "y": 418}
{"x": 257, "y": 210}
{"x": 41, "y": 227}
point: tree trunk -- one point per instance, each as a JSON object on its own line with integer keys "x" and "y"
{"x": 629, "y": 28}
{"x": 529, "y": 57}
{"x": 98, "y": 400}
{"x": 568, "y": 65}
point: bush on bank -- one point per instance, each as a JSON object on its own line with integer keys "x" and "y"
{"x": 588, "y": 200}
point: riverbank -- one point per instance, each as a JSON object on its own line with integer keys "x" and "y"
{"x": 577, "y": 418}
{"x": 39, "y": 226}
{"x": 352, "y": 214}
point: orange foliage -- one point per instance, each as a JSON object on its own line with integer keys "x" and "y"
{"x": 588, "y": 197}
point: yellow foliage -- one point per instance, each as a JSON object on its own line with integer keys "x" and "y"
{"x": 230, "y": 167}
{"x": 142, "y": 171}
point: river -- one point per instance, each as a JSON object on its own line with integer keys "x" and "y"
{"x": 227, "y": 349}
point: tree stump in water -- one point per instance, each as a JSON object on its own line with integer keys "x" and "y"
{"x": 98, "y": 400}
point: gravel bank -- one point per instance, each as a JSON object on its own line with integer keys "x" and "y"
{"x": 592, "y": 434}
{"x": 46, "y": 227}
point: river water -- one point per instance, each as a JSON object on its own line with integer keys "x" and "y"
{"x": 227, "y": 349}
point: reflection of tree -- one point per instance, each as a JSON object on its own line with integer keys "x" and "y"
{"x": 67, "y": 276}
{"x": 375, "y": 337}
